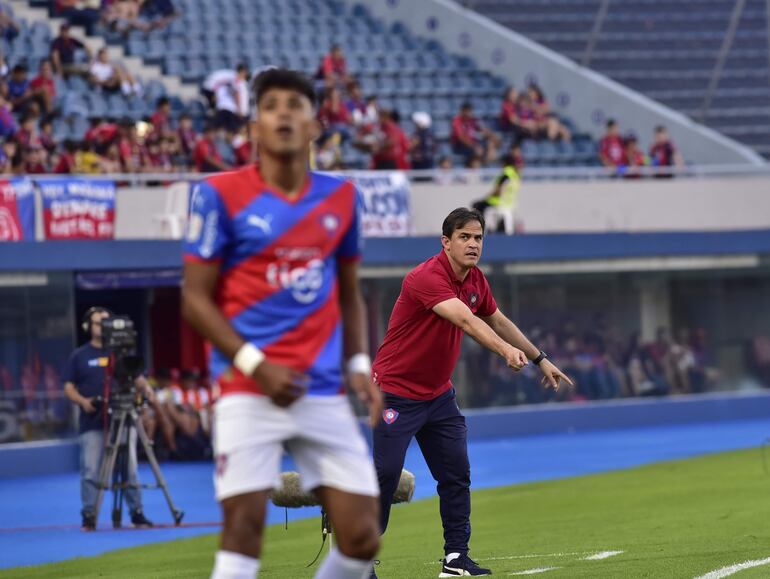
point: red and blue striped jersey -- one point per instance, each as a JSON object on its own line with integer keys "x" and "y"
{"x": 278, "y": 269}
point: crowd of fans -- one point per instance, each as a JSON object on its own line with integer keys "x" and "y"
{"x": 170, "y": 143}
{"x": 602, "y": 364}
{"x": 623, "y": 155}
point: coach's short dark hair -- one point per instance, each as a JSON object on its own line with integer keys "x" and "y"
{"x": 285, "y": 79}
{"x": 459, "y": 218}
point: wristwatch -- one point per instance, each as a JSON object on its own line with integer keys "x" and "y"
{"x": 540, "y": 357}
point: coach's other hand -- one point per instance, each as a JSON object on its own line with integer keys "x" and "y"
{"x": 552, "y": 375}
{"x": 369, "y": 394}
{"x": 283, "y": 385}
{"x": 515, "y": 358}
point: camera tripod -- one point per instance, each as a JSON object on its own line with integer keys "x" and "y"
{"x": 114, "y": 470}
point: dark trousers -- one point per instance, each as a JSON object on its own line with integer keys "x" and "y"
{"x": 443, "y": 438}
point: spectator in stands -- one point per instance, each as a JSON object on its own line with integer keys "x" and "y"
{"x": 63, "y": 52}
{"x": 242, "y": 146}
{"x": 111, "y": 77}
{"x": 187, "y": 136}
{"x": 206, "y": 156}
{"x": 46, "y": 137}
{"x": 633, "y": 158}
{"x": 366, "y": 124}
{"x": 8, "y": 157}
{"x": 102, "y": 133}
{"x": 356, "y": 104}
{"x": 123, "y": 16}
{"x": 133, "y": 154}
{"x": 509, "y": 118}
{"x": 470, "y": 138}
{"x": 8, "y": 125}
{"x": 19, "y": 91}
{"x": 663, "y": 153}
{"x": 228, "y": 93}
{"x": 27, "y": 134}
{"x": 329, "y": 155}
{"x": 334, "y": 70}
{"x": 66, "y": 162}
{"x": 4, "y": 70}
{"x": 35, "y": 159}
{"x": 611, "y": 149}
{"x": 83, "y": 13}
{"x": 334, "y": 115}
{"x": 161, "y": 118}
{"x": 549, "y": 124}
{"x": 389, "y": 141}
{"x": 44, "y": 88}
{"x": 423, "y": 146}
{"x": 9, "y": 29}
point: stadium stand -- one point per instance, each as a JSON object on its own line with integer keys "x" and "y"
{"x": 666, "y": 50}
{"x": 406, "y": 73}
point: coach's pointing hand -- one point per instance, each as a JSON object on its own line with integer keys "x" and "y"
{"x": 515, "y": 358}
{"x": 552, "y": 375}
{"x": 283, "y": 385}
{"x": 369, "y": 394}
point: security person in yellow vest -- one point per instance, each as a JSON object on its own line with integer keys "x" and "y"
{"x": 498, "y": 207}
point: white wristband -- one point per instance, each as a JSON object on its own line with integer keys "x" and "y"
{"x": 248, "y": 358}
{"x": 360, "y": 364}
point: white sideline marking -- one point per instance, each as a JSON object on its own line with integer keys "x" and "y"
{"x": 532, "y": 556}
{"x": 602, "y": 555}
{"x": 726, "y": 571}
{"x": 534, "y": 571}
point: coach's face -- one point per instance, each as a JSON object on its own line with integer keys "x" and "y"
{"x": 286, "y": 122}
{"x": 464, "y": 247}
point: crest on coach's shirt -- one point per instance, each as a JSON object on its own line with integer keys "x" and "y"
{"x": 330, "y": 222}
{"x": 474, "y": 299}
{"x": 389, "y": 415}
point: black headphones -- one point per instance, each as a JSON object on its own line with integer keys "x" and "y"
{"x": 86, "y": 321}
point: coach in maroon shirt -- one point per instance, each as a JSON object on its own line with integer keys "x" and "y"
{"x": 441, "y": 299}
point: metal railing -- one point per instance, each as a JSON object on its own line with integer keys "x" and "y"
{"x": 458, "y": 175}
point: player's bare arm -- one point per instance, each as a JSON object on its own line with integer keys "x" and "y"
{"x": 510, "y": 332}
{"x": 354, "y": 332}
{"x": 461, "y": 316}
{"x": 283, "y": 385}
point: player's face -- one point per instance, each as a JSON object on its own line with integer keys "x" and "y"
{"x": 286, "y": 123}
{"x": 464, "y": 247}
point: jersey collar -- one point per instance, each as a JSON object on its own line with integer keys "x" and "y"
{"x": 256, "y": 177}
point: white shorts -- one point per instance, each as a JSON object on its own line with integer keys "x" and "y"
{"x": 320, "y": 432}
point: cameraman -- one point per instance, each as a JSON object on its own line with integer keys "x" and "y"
{"x": 84, "y": 379}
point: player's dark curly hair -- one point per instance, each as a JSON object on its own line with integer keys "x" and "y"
{"x": 459, "y": 218}
{"x": 285, "y": 79}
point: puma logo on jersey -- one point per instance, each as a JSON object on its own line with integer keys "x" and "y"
{"x": 262, "y": 223}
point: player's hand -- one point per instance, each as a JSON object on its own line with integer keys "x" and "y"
{"x": 552, "y": 375}
{"x": 281, "y": 384}
{"x": 369, "y": 394}
{"x": 516, "y": 359}
{"x": 88, "y": 405}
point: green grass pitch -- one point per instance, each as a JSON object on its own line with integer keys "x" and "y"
{"x": 673, "y": 519}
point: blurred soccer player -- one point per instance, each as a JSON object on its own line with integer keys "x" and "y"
{"x": 441, "y": 299}
{"x": 271, "y": 280}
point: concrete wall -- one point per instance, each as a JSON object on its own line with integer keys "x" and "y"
{"x": 582, "y": 94}
{"x": 613, "y": 205}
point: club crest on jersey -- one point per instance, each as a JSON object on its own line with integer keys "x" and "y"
{"x": 330, "y": 222}
{"x": 389, "y": 415}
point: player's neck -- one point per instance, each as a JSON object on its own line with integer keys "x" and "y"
{"x": 286, "y": 175}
